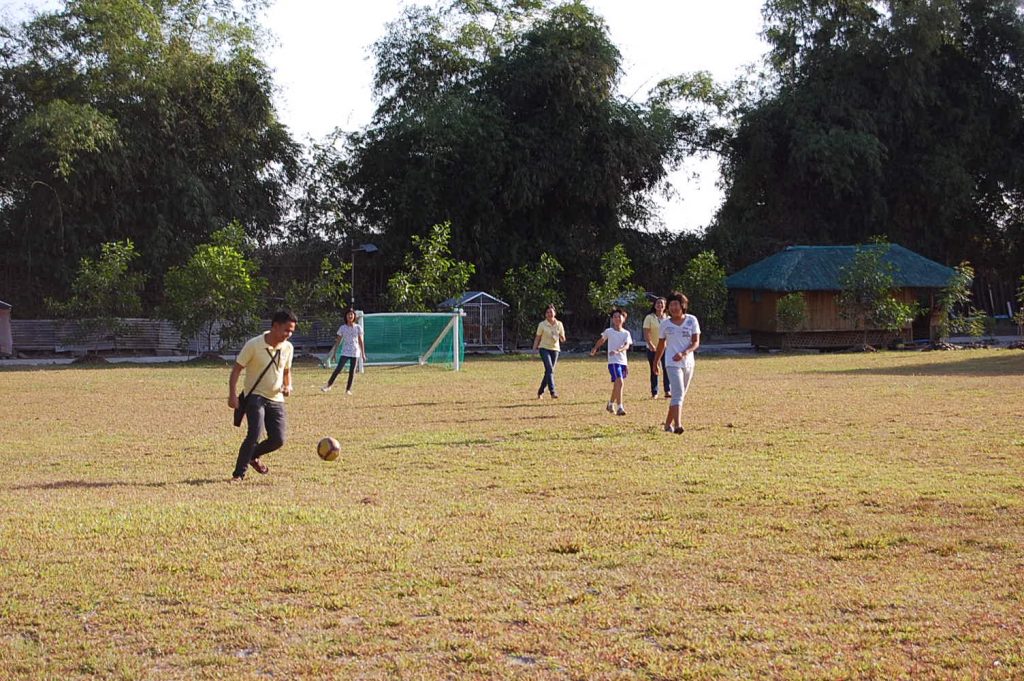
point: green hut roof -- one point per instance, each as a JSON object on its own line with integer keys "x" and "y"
{"x": 819, "y": 268}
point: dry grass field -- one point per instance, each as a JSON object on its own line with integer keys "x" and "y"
{"x": 823, "y": 517}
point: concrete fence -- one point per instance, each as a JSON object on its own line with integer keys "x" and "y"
{"x": 136, "y": 336}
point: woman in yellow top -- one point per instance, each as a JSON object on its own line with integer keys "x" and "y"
{"x": 652, "y": 323}
{"x": 550, "y": 336}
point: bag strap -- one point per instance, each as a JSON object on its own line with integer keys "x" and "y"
{"x": 272, "y": 362}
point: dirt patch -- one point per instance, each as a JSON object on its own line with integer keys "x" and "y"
{"x": 207, "y": 359}
{"x": 307, "y": 359}
{"x": 90, "y": 359}
{"x": 941, "y": 345}
{"x": 863, "y": 347}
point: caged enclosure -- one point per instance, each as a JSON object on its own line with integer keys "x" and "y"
{"x": 484, "y": 320}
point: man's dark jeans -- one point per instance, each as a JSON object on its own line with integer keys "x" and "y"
{"x": 260, "y": 412}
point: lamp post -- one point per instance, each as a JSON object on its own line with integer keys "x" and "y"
{"x": 365, "y": 248}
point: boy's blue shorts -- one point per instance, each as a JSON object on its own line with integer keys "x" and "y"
{"x": 618, "y": 371}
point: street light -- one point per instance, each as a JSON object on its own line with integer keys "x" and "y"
{"x": 365, "y": 248}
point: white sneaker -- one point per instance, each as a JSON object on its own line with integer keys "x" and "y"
{"x": 621, "y": 411}
{"x": 325, "y": 389}
{"x": 610, "y": 408}
{"x": 348, "y": 392}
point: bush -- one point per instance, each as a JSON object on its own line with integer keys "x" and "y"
{"x": 529, "y": 289}
{"x": 957, "y": 294}
{"x": 104, "y": 290}
{"x": 217, "y": 286}
{"x": 791, "y": 311}
{"x": 703, "y": 283}
{"x": 616, "y": 271}
{"x": 866, "y": 296}
{"x": 322, "y": 298}
{"x": 430, "y": 276}
{"x": 1019, "y": 317}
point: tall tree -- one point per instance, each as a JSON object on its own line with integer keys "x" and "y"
{"x": 896, "y": 117}
{"x": 502, "y": 118}
{"x": 143, "y": 119}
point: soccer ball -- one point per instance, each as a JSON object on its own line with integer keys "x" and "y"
{"x": 328, "y": 449}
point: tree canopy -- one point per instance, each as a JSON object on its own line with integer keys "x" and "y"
{"x": 903, "y": 118}
{"x": 148, "y": 120}
{"x": 502, "y": 119}
{"x": 152, "y": 121}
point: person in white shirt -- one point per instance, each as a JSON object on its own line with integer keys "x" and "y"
{"x": 350, "y": 338}
{"x": 678, "y": 339}
{"x": 619, "y": 340}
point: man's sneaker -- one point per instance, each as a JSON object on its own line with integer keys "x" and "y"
{"x": 610, "y": 408}
{"x": 679, "y": 430}
{"x": 554, "y": 396}
{"x": 237, "y": 478}
{"x": 348, "y": 392}
{"x": 259, "y": 466}
{"x": 669, "y": 429}
{"x": 621, "y": 411}
{"x": 325, "y": 389}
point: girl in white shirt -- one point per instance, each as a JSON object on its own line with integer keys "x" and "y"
{"x": 350, "y": 337}
{"x": 678, "y": 339}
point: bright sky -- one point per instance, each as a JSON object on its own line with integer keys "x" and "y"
{"x": 323, "y": 71}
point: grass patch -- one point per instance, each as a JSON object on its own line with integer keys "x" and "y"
{"x": 839, "y": 516}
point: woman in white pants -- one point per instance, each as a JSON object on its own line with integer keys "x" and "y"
{"x": 678, "y": 339}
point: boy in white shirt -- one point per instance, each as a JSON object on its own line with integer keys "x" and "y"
{"x": 678, "y": 339}
{"x": 619, "y": 340}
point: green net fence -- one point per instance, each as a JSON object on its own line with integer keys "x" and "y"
{"x": 409, "y": 338}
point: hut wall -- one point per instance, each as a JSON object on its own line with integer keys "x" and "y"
{"x": 6, "y": 338}
{"x": 755, "y": 310}
{"x": 822, "y": 310}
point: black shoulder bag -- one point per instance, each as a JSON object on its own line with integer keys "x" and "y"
{"x": 243, "y": 399}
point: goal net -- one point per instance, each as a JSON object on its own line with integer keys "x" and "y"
{"x": 414, "y": 338}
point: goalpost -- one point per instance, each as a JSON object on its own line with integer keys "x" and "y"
{"x": 413, "y": 338}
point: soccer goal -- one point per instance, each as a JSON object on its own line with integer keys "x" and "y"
{"x": 411, "y": 338}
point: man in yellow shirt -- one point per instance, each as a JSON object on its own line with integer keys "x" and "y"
{"x": 267, "y": 362}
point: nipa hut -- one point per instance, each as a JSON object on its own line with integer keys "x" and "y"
{"x": 816, "y": 273}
